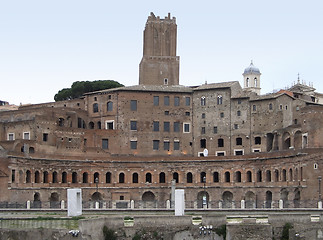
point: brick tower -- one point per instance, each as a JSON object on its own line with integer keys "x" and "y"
{"x": 159, "y": 64}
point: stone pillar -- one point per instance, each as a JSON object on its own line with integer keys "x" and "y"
{"x": 220, "y": 204}
{"x": 28, "y": 204}
{"x": 132, "y": 204}
{"x": 179, "y": 202}
{"x": 172, "y": 199}
{"x": 243, "y": 206}
{"x": 63, "y": 204}
{"x": 97, "y": 205}
{"x": 281, "y": 204}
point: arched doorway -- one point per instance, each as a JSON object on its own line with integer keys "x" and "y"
{"x": 97, "y": 196}
{"x": 297, "y": 198}
{"x": 36, "y": 202}
{"x": 284, "y": 197}
{"x": 286, "y": 140}
{"x": 250, "y": 199}
{"x": 202, "y": 199}
{"x": 269, "y": 199}
{"x": 54, "y": 200}
{"x": 227, "y": 198}
{"x": 148, "y": 200}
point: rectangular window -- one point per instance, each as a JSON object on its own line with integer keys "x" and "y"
{"x": 166, "y": 100}
{"x": 187, "y": 101}
{"x": 187, "y": 113}
{"x": 155, "y": 144}
{"x": 203, "y": 130}
{"x": 109, "y": 125}
{"x": 105, "y": 143}
{"x": 254, "y": 107}
{"x": 45, "y": 137}
{"x": 133, "y": 144}
{"x": 176, "y": 101}
{"x": 236, "y": 126}
{"x": 238, "y": 152}
{"x": 186, "y": 127}
{"x": 26, "y": 135}
{"x": 156, "y": 100}
{"x": 203, "y": 115}
{"x": 133, "y": 125}
{"x": 215, "y": 130}
{"x": 133, "y": 105}
{"x": 166, "y": 126}
{"x": 220, "y": 142}
{"x": 239, "y": 101}
{"x": 166, "y": 145}
{"x": 166, "y": 113}
{"x": 176, "y": 145}
{"x": 13, "y": 175}
{"x": 176, "y": 126}
{"x": 156, "y": 126}
{"x": 222, "y": 115}
{"x": 11, "y": 137}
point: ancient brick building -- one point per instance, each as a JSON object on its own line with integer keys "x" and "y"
{"x": 218, "y": 141}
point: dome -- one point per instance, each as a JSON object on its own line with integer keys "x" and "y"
{"x": 251, "y": 69}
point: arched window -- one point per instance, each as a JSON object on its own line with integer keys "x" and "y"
{"x": 247, "y": 82}
{"x": 162, "y": 177}
{"x": 64, "y": 177}
{"x": 268, "y": 176}
{"x": 28, "y": 176}
{"x": 108, "y": 177}
{"x": 290, "y": 174}
{"x": 219, "y": 101}
{"x": 74, "y": 177}
{"x": 54, "y": 177}
{"x": 238, "y": 176}
{"x": 85, "y": 177}
{"x": 249, "y": 176}
{"x": 276, "y": 175}
{"x": 91, "y": 125}
{"x": 109, "y": 106}
{"x": 227, "y": 176}
{"x": 121, "y": 177}
{"x": 176, "y": 177}
{"x": 96, "y": 177}
{"x": 256, "y": 82}
{"x": 135, "y": 178}
{"x": 216, "y": 177}
{"x": 203, "y": 177}
{"x": 189, "y": 177}
{"x": 95, "y": 107}
{"x": 99, "y": 124}
{"x": 203, "y": 101}
{"x": 284, "y": 177}
{"x": 37, "y": 177}
{"x": 45, "y": 177}
{"x": 259, "y": 176}
{"x": 148, "y": 178}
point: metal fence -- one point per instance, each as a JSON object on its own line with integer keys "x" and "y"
{"x": 199, "y": 204}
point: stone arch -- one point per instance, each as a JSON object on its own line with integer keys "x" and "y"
{"x": 298, "y": 140}
{"x": 85, "y": 177}
{"x": 36, "y": 202}
{"x": 176, "y": 177}
{"x": 54, "y": 200}
{"x": 297, "y": 198}
{"x": 238, "y": 176}
{"x": 37, "y": 177}
{"x": 148, "y": 196}
{"x": 227, "y": 177}
{"x": 286, "y": 140}
{"x": 28, "y": 176}
{"x": 135, "y": 178}
{"x": 91, "y": 125}
{"x": 189, "y": 177}
{"x": 227, "y": 198}
{"x": 149, "y": 177}
{"x": 74, "y": 177}
{"x": 97, "y": 196}
{"x": 202, "y": 199}
{"x": 250, "y": 199}
{"x": 45, "y": 177}
{"x": 54, "y": 177}
{"x": 64, "y": 177}
{"x": 284, "y": 196}
{"x": 162, "y": 177}
{"x": 268, "y": 176}
{"x": 249, "y": 176}
{"x": 108, "y": 177}
{"x": 269, "y": 199}
{"x": 121, "y": 177}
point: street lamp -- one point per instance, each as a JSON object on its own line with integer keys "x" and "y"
{"x": 96, "y": 180}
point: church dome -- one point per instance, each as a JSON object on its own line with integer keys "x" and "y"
{"x": 251, "y": 69}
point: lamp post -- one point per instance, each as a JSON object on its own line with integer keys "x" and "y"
{"x": 96, "y": 180}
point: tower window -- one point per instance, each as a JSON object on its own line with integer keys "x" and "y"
{"x": 133, "y": 105}
{"x": 165, "y": 81}
{"x": 255, "y": 82}
{"x": 203, "y": 101}
{"x": 220, "y": 98}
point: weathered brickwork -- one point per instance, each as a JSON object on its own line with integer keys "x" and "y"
{"x": 135, "y": 140}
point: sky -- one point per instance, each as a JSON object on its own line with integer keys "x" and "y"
{"x": 45, "y": 46}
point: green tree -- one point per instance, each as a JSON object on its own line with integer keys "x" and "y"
{"x": 78, "y": 88}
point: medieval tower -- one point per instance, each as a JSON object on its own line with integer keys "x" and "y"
{"x": 159, "y": 64}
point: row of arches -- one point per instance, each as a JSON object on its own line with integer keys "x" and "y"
{"x": 226, "y": 176}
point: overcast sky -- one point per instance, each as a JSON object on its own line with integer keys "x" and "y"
{"x": 47, "y": 45}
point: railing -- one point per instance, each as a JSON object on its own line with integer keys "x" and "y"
{"x": 199, "y": 204}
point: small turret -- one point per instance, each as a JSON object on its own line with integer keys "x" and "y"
{"x": 251, "y": 77}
